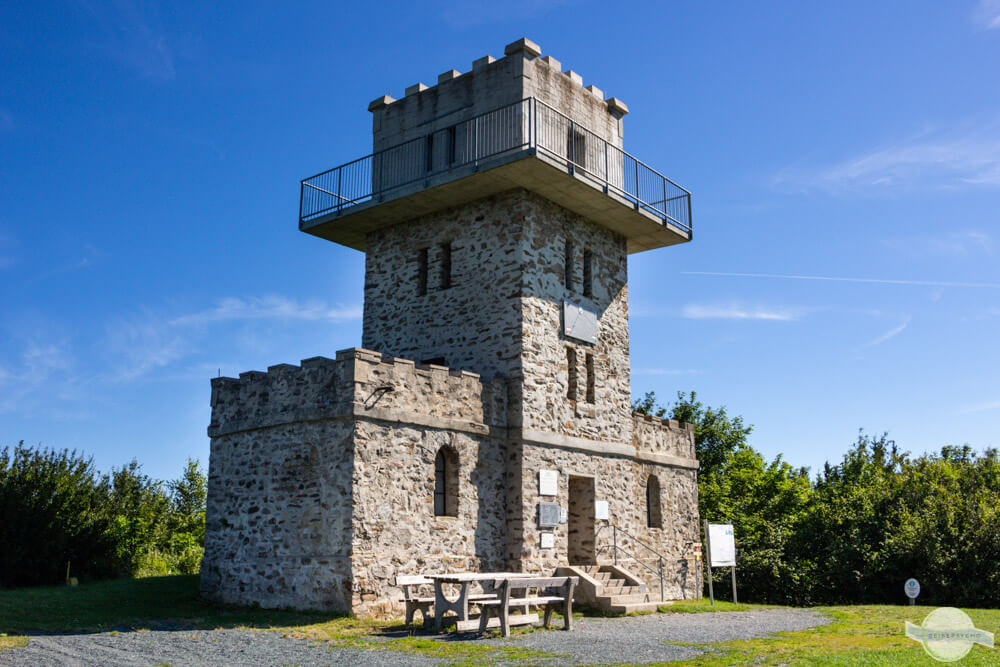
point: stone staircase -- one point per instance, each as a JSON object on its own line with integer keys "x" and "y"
{"x": 610, "y": 589}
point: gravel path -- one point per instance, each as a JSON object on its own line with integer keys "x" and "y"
{"x": 187, "y": 647}
{"x": 635, "y": 639}
{"x": 640, "y": 639}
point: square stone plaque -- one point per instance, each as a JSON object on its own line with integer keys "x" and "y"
{"x": 548, "y": 515}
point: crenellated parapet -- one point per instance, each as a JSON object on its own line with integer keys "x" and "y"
{"x": 358, "y": 383}
{"x": 663, "y": 437}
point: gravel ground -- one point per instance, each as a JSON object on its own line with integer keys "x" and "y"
{"x": 640, "y": 639}
{"x": 635, "y": 639}
{"x": 187, "y": 647}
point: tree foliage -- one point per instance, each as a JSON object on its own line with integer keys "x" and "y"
{"x": 58, "y": 513}
{"x": 858, "y": 530}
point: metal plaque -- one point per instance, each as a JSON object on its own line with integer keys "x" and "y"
{"x": 601, "y": 510}
{"x": 548, "y": 515}
{"x": 579, "y": 322}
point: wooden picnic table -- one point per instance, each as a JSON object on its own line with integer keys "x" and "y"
{"x": 460, "y": 605}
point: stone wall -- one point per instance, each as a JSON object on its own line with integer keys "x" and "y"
{"x": 620, "y": 480}
{"x": 316, "y": 468}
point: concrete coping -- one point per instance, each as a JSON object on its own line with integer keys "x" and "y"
{"x": 316, "y": 362}
{"x": 432, "y": 368}
{"x": 463, "y": 374}
{"x": 449, "y": 75}
{"x": 252, "y": 376}
{"x": 223, "y": 380}
{"x": 595, "y": 91}
{"x": 617, "y": 107}
{"x": 574, "y": 77}
{"x": 279, "y": 368}
{"x": 358, "y": 353}
{"x": 415, "y": 88}
{"x": 483, "y": 62}
{"x": 380, "y": 103}
{"x": 398, "y": 361}
{"x": 524, "y": 44}
{"x": 554, "y": 64}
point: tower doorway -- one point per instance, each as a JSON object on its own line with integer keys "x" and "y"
{"x": 581, "y": 539}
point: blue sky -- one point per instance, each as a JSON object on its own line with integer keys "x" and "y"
{"x": 844, "y": 159}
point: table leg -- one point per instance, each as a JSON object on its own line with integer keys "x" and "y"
{"x": 442, "y": 605}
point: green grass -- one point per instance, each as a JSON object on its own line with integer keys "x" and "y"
{"x": 858, "y": 635}
{"x": 174, "y": 602}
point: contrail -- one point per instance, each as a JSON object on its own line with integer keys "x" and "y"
{"x": 882, "y": 281}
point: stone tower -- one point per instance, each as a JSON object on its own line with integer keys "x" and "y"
{"x": 496, "y": 214}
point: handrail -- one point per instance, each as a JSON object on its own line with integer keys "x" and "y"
{"x": 616, "y": 548}
{"x": 527, "y": 124}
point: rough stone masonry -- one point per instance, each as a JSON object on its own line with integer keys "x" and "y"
{"x": 424, "y": 450}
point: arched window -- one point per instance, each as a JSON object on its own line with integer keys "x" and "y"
{"x": 446, "y": 482}
{"x": 654, "y": 517}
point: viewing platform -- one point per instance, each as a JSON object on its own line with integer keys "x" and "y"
{"x": 527, "y": 144}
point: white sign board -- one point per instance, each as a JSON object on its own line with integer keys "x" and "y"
{"x": 548, "y": 482}
{"x": 601, "y": 510}
{"x": 721, "y": 545}
{"x": 912, "y": 588}
{"x": 579, "y": 322}
{"x": 548, "y": 540}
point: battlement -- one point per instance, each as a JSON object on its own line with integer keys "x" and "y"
{"x": 357, "y": 383}
{"x": 492, "y": 83}
{"x": 666, "y": 437}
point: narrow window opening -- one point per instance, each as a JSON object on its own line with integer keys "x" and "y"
{"x": 588, "y": 273}
{"x": 430, "y": 153}
{"x": 422, "y": 272}
{"x": 451, "y": 145}
{"x": 654, "y": 517}
{"x": 590, "y": 378}
{"x": 445, "y": 265}
{"x": 571, "y": 368}
{"x": 568, "y": 269}
{"x": 446, "y": 482}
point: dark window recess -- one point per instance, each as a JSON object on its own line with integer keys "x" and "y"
{"x": 588, "y": 273}
{"x": 576, "y": 146}
{"x": 445, "y": 265}
{"x": 590, "y": 378}
{"x": 422, "y": 272}
{"x": 430, "y": 153}
{"x": 571, "y": 368}
{"x": 654, "y": 517}
{"x": 436, "y": 361}
{"x": 446, "y": 482}
{"x": 568, "y": 269}
{"x": 452, "y": 153}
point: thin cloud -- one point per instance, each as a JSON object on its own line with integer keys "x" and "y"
{"x": 891, "y": 333}
{"x": 979, "y": 407}
{"x": 987, "y": 14}
{"x": 953, "y": 244}
{"x": 269, "y": 307}
{"x": 706, "y": 312}
{"x": 664, "y": 371}
{"x": 938, "y": 159}
{"x": 876, "y": 281}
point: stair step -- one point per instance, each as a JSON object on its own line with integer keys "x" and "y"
{"x": 631, "y": 607}
{"x": 630, "y": 599}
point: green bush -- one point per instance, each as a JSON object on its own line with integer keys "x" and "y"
{"x": 57, "y": 511}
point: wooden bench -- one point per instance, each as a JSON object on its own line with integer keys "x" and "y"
{"x": 415, "y": 603}
{"x": 552, "y": 593}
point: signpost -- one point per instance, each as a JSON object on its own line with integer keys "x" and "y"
{"x": 720, "y": 551}
{"x": 912, "y": 589}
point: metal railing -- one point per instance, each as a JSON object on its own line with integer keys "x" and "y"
{"x": 617, "y": 547}
{"x": 525, "y": 125}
